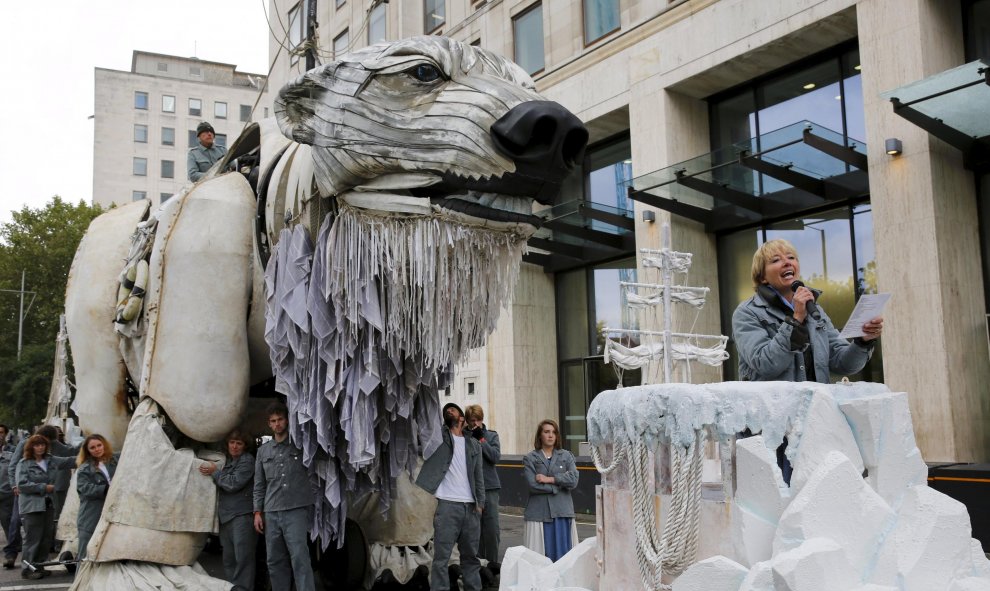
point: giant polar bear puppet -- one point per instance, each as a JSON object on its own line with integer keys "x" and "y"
{"x": 372, "y": 245}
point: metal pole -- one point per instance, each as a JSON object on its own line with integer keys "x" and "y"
{"x": 20, "y": 320}
{"x": 667, "y": 279}
{"x": 311, "y": 34}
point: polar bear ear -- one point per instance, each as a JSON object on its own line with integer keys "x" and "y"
{"x": 307, "y": 108}
{"x": 295, "y": 108}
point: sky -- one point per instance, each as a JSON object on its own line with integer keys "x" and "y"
{"x": 49, "y": 52}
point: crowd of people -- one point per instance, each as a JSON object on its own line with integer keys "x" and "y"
{"x": 258, "y": 495}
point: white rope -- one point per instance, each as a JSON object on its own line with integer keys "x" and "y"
{"x": 675, "y": 549}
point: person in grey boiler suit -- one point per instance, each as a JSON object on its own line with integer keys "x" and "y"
{"x": 491, "y": 453}
{"x": 282, "y": 505}
{"x": 6, "y": 490}
{"x": 453, "y": 474}
{"x": 234, "y": 511}
{"x": 57, "y": 449}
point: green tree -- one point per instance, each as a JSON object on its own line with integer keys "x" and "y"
{"x": 41, "y": 243}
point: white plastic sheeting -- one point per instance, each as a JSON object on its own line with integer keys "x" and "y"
{"x": 132, "y": 576}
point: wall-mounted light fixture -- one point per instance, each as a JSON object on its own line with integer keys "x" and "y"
{"x": 649, "y": 216}
{"x": 893, "y": 146}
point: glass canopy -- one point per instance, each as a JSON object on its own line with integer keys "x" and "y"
{"x": 952, "y": 106}
{"x": 778, "y": 174}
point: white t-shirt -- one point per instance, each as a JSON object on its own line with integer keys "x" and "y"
{"x": 455, "y": 485}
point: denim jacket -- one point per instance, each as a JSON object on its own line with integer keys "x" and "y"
{"x": 32, "y": 481}
{"x": 435, "y": 467}
{"x": 549, "y": 501}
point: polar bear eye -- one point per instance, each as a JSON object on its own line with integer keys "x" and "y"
{"x": 424, "y": 72}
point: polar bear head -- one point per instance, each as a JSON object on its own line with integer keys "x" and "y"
{"x": 440, "y": 123}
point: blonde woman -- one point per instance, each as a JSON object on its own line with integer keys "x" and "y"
{"x": 97, "y": 465}
{"x": 782, "y": 335}
{"x": 551, "y": 475}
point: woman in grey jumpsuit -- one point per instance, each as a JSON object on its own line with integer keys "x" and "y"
{"x": 35, "y": 481}
{"x": 97, "y": 464}
{"x": 237, "y": 536}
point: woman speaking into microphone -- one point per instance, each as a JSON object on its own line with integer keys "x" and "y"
{"x": 782, "y": 335}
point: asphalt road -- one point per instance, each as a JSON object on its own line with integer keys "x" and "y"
{"x": 10, "y": 580}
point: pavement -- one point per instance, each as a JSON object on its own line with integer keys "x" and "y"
{"x": 511, "y": 523}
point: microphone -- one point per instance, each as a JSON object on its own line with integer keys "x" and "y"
{"x": 811, "y": 306}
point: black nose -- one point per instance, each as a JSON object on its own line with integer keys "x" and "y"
{"x": 542, "y": 134}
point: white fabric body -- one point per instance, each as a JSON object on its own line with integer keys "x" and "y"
{"x": 196, "y": 363}
{"x": 455, "y": 485}
{"x": 90, "y": 300}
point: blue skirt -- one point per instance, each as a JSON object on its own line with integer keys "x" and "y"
{"x": 557, "y": 537}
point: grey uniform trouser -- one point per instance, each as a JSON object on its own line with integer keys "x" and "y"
{"x": 13, "y": 533}
{"x": 6, "y": 511}
{"x": 288, "y": 549}
{"x": 39, "y": 530}
{"x": 490, "y": 535}
{"x": 458, "y": 523}
{"x": 239, "y": 541}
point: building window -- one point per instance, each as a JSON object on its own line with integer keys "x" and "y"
{"x": 195, "y": 107}
{"x": 340, "y": 44}
{"x": 220, "y": 110}
{"x": 527, "y": 39}
{"x": 245, "y": 113}
{"x": 470, "y": 388}
{"x": 141, "y": 100}
{"x": 296, "y": 25}
{"x": 168, "y": 103}
{"x": 162, "y": 67}
{"x": 138, "y": 195}
{"x": 193, "y": 138}
{"x": 601, "y": 17}
{"x": 168, "y": 136}
{"x": 163, "y": 197}
{"x": 140, "y": 167}
{"x": 220, "y": 139}
{"x": 435, "y": 15}
{"x": 140, "y": 133}
{"x": 195, "y": 71}
{"x": 168, "y": 169}
{"x": 376, "y": 24}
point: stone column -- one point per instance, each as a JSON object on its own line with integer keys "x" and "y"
{"x": 927, "y": 235}
{"x": 672, "y": 127}
{"x": 522, "y": 363}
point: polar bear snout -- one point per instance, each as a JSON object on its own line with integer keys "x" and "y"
{"x": 543, "y": 134}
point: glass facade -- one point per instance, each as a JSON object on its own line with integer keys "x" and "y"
{"x": 601, "y": 17}
{"x": 589, "y": 298}
{"x": 527, "y": 39}
{"x": 588, "y": 301}
{"x": 434, "y": 15}
{"x": 835, "y": 246}
{"x": 376, "y": 25}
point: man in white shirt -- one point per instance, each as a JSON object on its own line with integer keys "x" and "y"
{"x": 453, "y": 474}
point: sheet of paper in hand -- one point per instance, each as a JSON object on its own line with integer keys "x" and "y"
{"x": 868, "y": 307}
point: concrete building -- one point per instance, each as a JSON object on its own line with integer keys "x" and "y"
{"x": 736, "y": 121}
{"x": 146, "y": 121}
